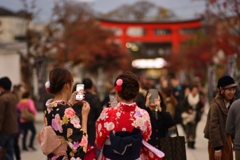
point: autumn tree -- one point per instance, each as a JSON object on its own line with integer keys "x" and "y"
{"x": 84, "y": 40}
{"x": 139, "y": 11}
{"x": 220, "y": 31}
{"x": 194, "y": 56}
{"x": 39, "y": 48}
{"x": 223, "y": 20}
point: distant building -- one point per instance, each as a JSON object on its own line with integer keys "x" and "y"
{"x": 13, "y": 25}
{"x": 10, "y": 61}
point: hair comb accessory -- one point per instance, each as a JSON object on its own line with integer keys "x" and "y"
{"x": 118, "y": 86}
{"x": 47, "y": 85}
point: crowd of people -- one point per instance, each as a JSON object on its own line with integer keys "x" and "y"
{"x": 92, "y": 122}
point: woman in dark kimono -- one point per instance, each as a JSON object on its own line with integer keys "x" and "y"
{"x": 161, "y": 120}
{"x": 63, "y": 119}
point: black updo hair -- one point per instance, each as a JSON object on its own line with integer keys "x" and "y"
{"x": 57, "y": 78}
{"x": 130, "y": 86}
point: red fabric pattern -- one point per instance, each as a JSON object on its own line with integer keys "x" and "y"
{"x": 123, "y": 117}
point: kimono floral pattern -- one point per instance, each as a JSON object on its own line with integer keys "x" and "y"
{"x": 123, "y": 117}
{"x": 66, "y": 123}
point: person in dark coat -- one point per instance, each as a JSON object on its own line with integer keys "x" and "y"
{"x": 220, "y": 144}
{"x": 95, "y": 109}
{"x": 16, "y": 145}
{"x": 8, "y": 117}
{"x": 140, "y": 100}
{"x": 161, "y": 120}
{"x": 192, "y": 109}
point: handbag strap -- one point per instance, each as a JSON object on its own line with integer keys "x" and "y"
{"x": 168, "y": 130}
{"x": 176, "y": 130}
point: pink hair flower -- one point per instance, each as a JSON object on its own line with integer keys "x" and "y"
{"x": 119, "y": 82}
{"x": 118, "y": 86}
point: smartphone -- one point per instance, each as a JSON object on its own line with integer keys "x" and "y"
{"x": 113, "y": 100}
{"x": 80, "y": 92}
{"x": 154, "y": 94}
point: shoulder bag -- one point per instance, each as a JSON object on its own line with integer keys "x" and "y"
{"x": 173, "y": 147}
{"x": 27, "y": 115}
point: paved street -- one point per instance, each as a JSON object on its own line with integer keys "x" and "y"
{"x": 199, "y": 154}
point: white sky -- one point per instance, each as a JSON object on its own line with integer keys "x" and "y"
{"x": 184, "y": 9}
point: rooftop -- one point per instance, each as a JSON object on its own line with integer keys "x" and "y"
{"x": 7, "y": 12}
{"x": 151, "y": 21}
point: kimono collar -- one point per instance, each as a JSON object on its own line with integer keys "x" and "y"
{"x": 127, "y": 107}
{"x": 52, "y": 103}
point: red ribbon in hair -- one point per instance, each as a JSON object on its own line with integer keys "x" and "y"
{"x": 118, "y": 86}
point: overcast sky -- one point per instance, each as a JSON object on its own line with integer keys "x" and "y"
{"x": 184, "y": 9}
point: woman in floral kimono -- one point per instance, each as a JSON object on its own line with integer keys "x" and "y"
{"x": 62, "y": 118}
{"x": 124, "y": 119}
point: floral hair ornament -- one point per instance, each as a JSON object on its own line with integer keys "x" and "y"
{"x": 47, "y": 85}
{"x": 118, "y": 86}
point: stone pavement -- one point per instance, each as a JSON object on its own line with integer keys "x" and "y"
{"x": 200, "y": 153}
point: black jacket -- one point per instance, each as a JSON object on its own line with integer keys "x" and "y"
{"x": 159, "y": 126}
{"x": 140, "y": 100}
{"x": 95, "y": 110}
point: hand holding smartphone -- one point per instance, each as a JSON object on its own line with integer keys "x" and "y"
{"x": 154, "y": 94}
{"x": 113, "y": 100}
{"x": 80, "y": 92}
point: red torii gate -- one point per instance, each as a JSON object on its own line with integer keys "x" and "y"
{"x": 175, "y": 37}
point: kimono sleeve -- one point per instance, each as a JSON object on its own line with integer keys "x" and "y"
{"x": 148, "y": 131}
{"x": 73, "y": 133}
{"x": 103, "y": 127}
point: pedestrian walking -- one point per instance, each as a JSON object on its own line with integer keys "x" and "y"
{"x": 17, "y": 151}
{"x": 26, "y": 103}
{"x": 16, "y": 92}
{"x": 63, "y": 119}
{"x": 219, "y": 142}
{"x": 8, "y": 117}
{"x": 192, "y": 109}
